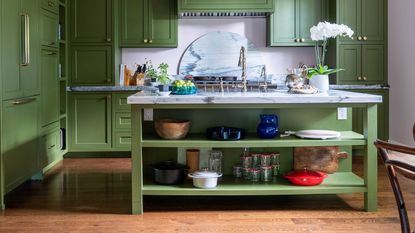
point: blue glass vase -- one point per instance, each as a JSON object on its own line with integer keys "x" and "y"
{"x": 268, "y": 127}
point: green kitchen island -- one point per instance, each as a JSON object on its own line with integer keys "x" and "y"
{"x": 295, "y": 111}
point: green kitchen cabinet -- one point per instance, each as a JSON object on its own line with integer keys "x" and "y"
{"x": 290, "y": 24}
{"x": 90, "y": 122}
{"x": 50, "y": 144}
{"x": 91, "y": 21}
{"x": 50, "y": 87}
{"x": 121, "y": 122}
{"x": 48, "y": 29}
{"x": 365, "y": 17}
{"x": 20, "y": 53}
{"x": 383, "y": 115}
{"x": 226, "y": 6}
{"x": 91, "y": 65}
{"x": 19, "y": 140}
{"x": 362, "y": 64}
{"x": 148, "y": 23}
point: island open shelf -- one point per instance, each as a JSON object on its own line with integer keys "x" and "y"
{"x": 297, "y": 111}
{"x": 340, "y": 182}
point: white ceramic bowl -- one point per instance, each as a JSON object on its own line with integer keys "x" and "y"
{"x": 205, "y": 179}
{"x": 164, "y": 93}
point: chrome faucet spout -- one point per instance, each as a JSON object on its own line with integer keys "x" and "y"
{"x": 263, "y": 76}
{"x": 242, "y": 63}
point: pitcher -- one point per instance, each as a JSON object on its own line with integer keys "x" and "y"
{"x": 268, "y": 127}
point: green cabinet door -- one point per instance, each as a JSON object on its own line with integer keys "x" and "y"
{"x": 147, "y": 23}
{"x": 350, "y": 59}
{"x": 91, "y": 65}
{"x": 20, "y": 60}
{"x": 373, "y": 64}
{"x": 365, "y": 17}
{"x": 48, "y": 29}
{"x": 225, "y": 5}
{"x": 90, "y": 122}
{"x": 20, "y": 140}
{"x": 50, "y": 87}
{"x": 91, "y": 21}
{"x": 290, "y": 24}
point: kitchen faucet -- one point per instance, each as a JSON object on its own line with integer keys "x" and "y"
{"x": 242, "y": 63}
{"x": 263, "y": 76}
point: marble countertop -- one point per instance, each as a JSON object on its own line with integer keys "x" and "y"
{"x": 274, "y": 97}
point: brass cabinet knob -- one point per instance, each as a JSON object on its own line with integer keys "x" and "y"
{"x": 365, "y": 78}
{"x": 145, "y": 41}
{"x": 365, "y": 38}
{"x": 108, "y": 80}
{"x": 302, "y": 40}
{"x": 359, "y": 78}
{"x": 296, "y": 40}
{"x": 108, "y": 39}
{"x": 359, "y": 38}
{"x": 50, "y": 3}
{"x": 150, "y": 41}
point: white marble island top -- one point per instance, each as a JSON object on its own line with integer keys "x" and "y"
{"x": 274, "y": 97}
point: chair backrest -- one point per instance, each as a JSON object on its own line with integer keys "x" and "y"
{"x": 398, "y": 158}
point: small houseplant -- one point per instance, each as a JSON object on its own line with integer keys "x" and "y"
{"x": 159, "y": 75}
{"x": 323, "y": 31}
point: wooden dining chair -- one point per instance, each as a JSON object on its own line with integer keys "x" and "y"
{"x": 401, "y": 159}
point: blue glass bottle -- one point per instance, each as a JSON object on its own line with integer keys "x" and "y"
{"x": 268, "y": 127}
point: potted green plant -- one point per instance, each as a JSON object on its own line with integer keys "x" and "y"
{"x": 163, "y": 77}
{"x": 319, "y": 75}
{"x": 151, "y": 72}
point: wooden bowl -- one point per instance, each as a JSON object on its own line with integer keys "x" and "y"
{"x": 171, "y": 128}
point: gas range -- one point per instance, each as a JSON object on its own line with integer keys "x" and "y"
{"x": 230, "y": 83}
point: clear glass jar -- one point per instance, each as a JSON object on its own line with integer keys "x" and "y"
{"x": 215, "y": 161}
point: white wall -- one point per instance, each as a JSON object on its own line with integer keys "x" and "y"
{"x": 401, "y": 70}
{"x": 277, "y": 60}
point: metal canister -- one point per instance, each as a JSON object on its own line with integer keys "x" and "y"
{"x": 275, "y": 158}
{"x": 246, "y": 161}
{"x": 246, "y": 173}
{"x": 256, "y": 159}
{"x": 265, "y": 160}
{"x": 276, "y": 170}
{"x": 237, "y": 171}
{"x": 255, "y": 174}
{"x": 266, "y": 173}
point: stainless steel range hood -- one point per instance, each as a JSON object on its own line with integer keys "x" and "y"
{"x": 223, "y": 14}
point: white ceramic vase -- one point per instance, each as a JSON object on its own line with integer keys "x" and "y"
{"x": 321, "y": 82}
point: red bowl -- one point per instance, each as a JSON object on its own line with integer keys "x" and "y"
{"x": 305, "y": 177}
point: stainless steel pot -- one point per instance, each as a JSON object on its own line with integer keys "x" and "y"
{"x": 169, "y": 173}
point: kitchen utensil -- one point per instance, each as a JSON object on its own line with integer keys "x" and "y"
{"x": 192, "y": 159}
{"x": 169, "y": 172}
{"x": 305, "y": 177}
{"x": 317, "y": 134}
{"x": 268, "y": 127}
{"x": 205, "y": 179}
{"x": 224, "y": 133}
{"x": 318, "y": 158}
{"x": 171, "y": 128}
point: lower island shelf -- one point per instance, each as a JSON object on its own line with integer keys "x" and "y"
{"x": 340, "y": 182}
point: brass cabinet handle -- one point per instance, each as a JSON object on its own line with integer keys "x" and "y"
{"x": 359, "y": 78}
{"x": 150, "y": 41}
{"x": 145, "y": 41}
{"x": 365, "y": 78}
{"x": 50, "y": 147}
{"x": 365, "y": 38}
{"x": 51, "y": 53}
{"x": 359, "y": 38}
{"x": 302, "y": 40}
{"x": 25, "y": 39}
{"x": 23, "y": 101}
{"x": 51, "y": 43}
{"x": 108, "y": 39}
{"x": 108, "y": 80}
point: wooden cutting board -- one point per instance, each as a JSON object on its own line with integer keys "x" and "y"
{"x": 318, "y": 158}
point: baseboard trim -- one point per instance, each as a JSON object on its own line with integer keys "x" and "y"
{"x": 110, "y": 154}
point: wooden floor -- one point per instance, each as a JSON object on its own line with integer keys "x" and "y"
{"x": 93, "y": 195}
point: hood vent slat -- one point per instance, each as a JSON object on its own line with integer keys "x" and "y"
{"x": 223, "y": 14}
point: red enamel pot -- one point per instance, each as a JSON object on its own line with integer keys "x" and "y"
{"x": 305, "y": 177}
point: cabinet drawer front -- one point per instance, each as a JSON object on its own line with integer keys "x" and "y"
{"x": 50, "y": 5}
{"x": 122, "y": 140}
{"x": 122, "y": 120}
{"x": 52, "y": 148}
{"x": 91, "y": 65}
{"x": 49, "y": 29}
{"x": 120, "y": 103}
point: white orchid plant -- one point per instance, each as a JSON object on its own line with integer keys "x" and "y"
{"x": 322, "y": 32}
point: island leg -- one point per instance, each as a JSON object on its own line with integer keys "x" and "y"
{"x": 370, "y": 163}
{"x": 136, "y": 161}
